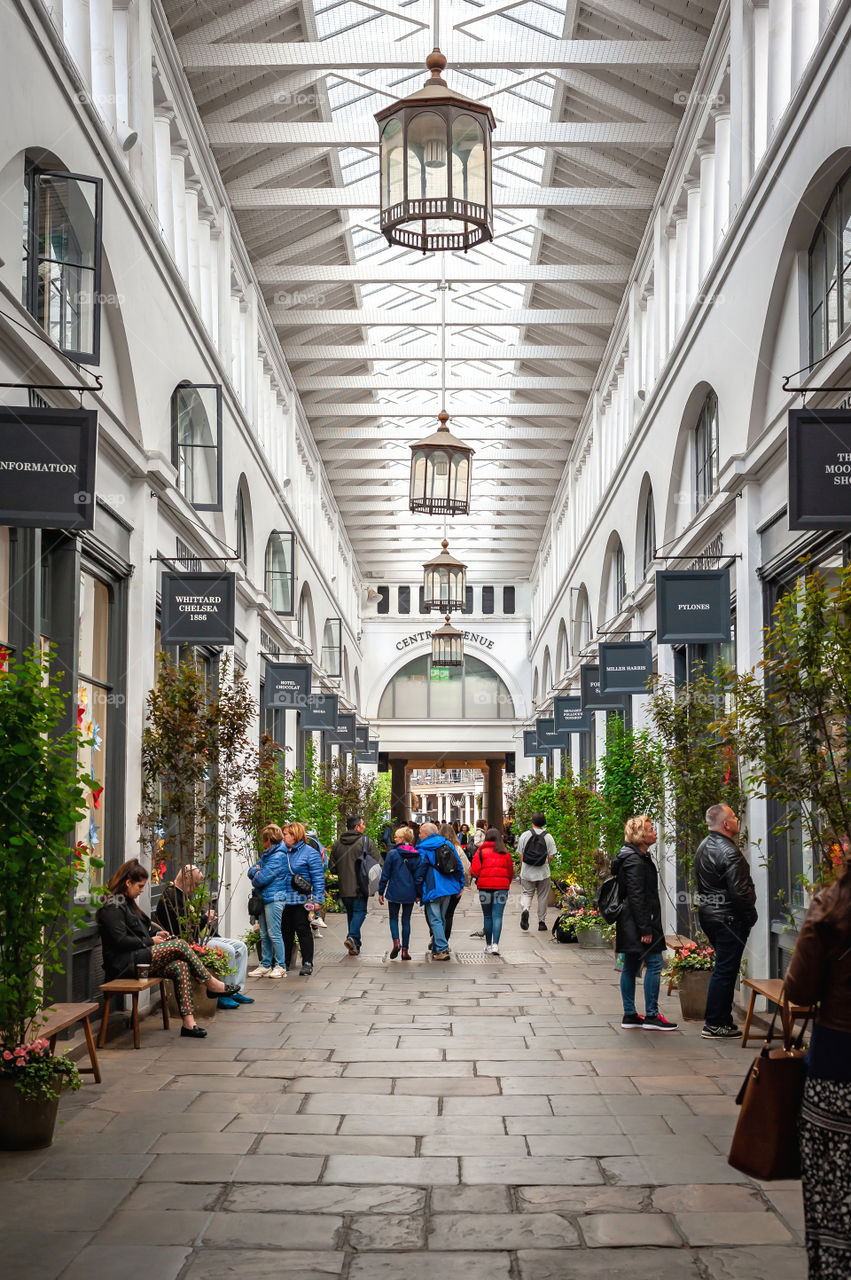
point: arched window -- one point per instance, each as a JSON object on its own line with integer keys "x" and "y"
{"x": 472, "y": 692}
{"x": 618, "y": 577}
{"x": 830, "y": 272}
{"x": 332, "y": 647}
{"x": 706, "y": 451}
{"x": 280, "y": 572}
{"x": 241, "y": 528}
{"x": 196, "y": 443}
{"x": 581, "y": 622}
{"x": 648, "y": 535}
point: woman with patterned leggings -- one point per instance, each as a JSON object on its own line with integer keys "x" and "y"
{"x": 129, "y": 938}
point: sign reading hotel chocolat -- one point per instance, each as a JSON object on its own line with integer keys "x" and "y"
{"x": 287, "y": 684}
{"x": 591, "y": 695}
{"x": 531, "y": 747}
{"x": 198, "y": 608}
{"x": 819, "y": 448}
{"x": 625, "y": 666}
{"x": 343, "y": 734}
{"x": 550, "y": 738}
{"x": 319, "y": 712}
{"x": 569, "y": 715}
{"x": 693, "y": 606}
{"x": 47, "y": 467}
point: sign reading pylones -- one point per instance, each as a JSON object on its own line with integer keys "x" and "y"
{"x": 198, "y": 608}
{"x": 693, "y": 606}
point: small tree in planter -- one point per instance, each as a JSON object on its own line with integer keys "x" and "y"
{"x": 42, "y": 798}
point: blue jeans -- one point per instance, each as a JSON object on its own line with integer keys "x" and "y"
{"x": 393, "y": 909}
{"x": 436, "y": 911}
{"x": 237, "y": 952}
{"x": 729, "y": 942}
{"x": 355, "y": 914}
{"x": 632, "y": 962}
{"x": 271, "y": 940}
{"x": 493, "y": 902}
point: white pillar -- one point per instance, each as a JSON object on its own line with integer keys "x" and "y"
{"x": 179, "y": 153}
{"x": 193, "y": 270}
{"x": 103, "y": 60}
{"x": 759, "y": 81}
{"x": 805, "y": 33}
{"x": 162, "y": 151}
{"x": 721, "y": 212}
{"x": 204, "y": 279}
{"x": 659, "y": 345}
{"x": 707, "y": 209}
{"x": 121, "y": 62}
{"x": 741, "y": 95}
{"x": 468, "y": 808}
{"x": 680, "y": 272}
{"x": 77, "y": 34}
{"x": 692, "y": 279}
{"x": 779, "y": 60}
{"x": 215, "y": 300}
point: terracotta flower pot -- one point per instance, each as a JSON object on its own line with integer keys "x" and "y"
{"x": 692, "y": 986}
{"x": 25, "y": 1124}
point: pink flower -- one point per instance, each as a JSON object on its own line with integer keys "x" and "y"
{"x": 7, "y": 1057}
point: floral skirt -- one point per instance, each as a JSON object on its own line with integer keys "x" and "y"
{"x": 826, "y": 1176}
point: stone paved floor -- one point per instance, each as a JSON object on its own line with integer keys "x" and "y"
{"x": 477, "y": 1119}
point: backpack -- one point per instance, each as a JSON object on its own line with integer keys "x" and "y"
{"x": 610, "y": 904}
{"x": 563, "y": 929}
{"x": 367, "y": 871}
{"x": 446, "y": 860}
{"x": 535, "y": 852}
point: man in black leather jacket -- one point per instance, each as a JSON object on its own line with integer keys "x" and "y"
{"x": 726, "y": 908}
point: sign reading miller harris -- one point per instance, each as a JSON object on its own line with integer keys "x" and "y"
{"x": 625, "y": 665}
{"x": 47, "y": 467}
{"x": 819, "y": 447}
{"x": 693, "y": 606}
{"x": 198, "y": 608}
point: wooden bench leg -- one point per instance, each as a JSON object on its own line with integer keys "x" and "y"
{"x": 104, "y": 1022}
{"x": 137, "y": 1039}
{"x": 164, "y": 1005}
{"x": 748, "y": 1019}
{"x": 90, "y": 1045}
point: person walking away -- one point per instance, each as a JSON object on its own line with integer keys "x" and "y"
{"x": 398, "y": 885}
{"x": 450, "y": 835}
{"x": 479, "y": 833}
{"x": 269, "y": 876}
{"x": 354, "y": 843}
{"x": 640, "y": 938}
{"x": 493, "y": 870}
{"x": 820, "y": 973}
{"x": 440, "y": 880}
{"x": 174, "y": 915}
{"x": 303, "y": 862}
{"x": 726, "y": 902}
{"x": 536, "y": 849}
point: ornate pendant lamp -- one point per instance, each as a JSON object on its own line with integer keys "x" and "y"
{"x": 440, "y": 473}
{"x": 436, "y": 190}
{"x": 447, "y": 646}
{"x": 444, "y": 582}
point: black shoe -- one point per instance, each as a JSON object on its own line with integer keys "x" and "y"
{"x": 306, "y": 969}
{"x": 631, "y": 1020}
{"x": 193, "y": 1033}
{"x": 542, "y": 926}
{"x": 720, "y": 1033}
{"x": 657, "y": 1022}
{"x": 230, "y": 990}
{"x": 524, "y": 920}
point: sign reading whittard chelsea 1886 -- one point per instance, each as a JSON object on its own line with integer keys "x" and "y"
{"x": 47, "y": 467}
{"x": 319, "y": 712}
{"x": 287, "y": 684}
{"x": 625, "y": 666}
{"x": 819, "y": 445}
{"x": 569, "y": 716}
{"x": 693, "y": 606}
{"x": 198, "y": 608}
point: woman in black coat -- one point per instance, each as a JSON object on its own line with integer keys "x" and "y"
{"x": 640, "y": 937}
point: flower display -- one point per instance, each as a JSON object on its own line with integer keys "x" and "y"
{"x": 36, "y": 1071}
{"x": 693, "y": 955}
{"x": 585, "y": 918}
{"x": 214, "y": 960}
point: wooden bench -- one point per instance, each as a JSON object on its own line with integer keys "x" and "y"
{"x": 59, "y": 1017}
{"x": 675, "y": 942}
{"x": 131, "y": 987}
{"x": 772, "y": 989}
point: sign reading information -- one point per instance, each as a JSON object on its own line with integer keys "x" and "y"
{"x": 693, "y": 606}
{"x": 320, "y": 712}
{"x": 287, "y": 684}
{"x": 198, "y": 608}
{"x": 47, "y": 467}
{"x": 819, "y": 447}
{"x": 625, "y": 666}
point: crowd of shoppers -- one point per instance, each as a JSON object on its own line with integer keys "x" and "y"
{"x": 291, "y": 880}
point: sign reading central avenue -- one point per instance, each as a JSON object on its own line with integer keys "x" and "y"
{"x": 47, "y": 468}
{"x": 819, "y": 447}
{"x": 198, "y": 608}
{"x": 417, "y": 637}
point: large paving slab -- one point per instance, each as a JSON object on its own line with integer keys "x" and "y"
{"x": 487, "y": 1119}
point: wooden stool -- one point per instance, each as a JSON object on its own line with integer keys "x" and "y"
{"x": 59, "y": 1017}
{"x": 675, "y": 942}
{"x": 131, "y": 987}
{"x": 772, "y": 989}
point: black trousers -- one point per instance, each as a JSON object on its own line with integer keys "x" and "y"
{"x": 296, "y": 922}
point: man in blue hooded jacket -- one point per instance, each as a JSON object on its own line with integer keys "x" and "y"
{"x": 436, "y": 884}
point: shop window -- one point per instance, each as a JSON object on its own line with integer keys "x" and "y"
{"x": 5, "y": 554}
{"x": 404, "y": 599}
{"x": 830, "y": 272}
{"x": 332, "y": 647}
{"x": 94, "y": 704}
{"x": 507, "y": 599}
{"x": 421, "y": 601}
{"x": 619, "y": 577}
{"x": 581, "y": 622}
{"x": 706, "y": 451}
{"x": 241, "y": 529}
{"x": 62, "y": 260}
{"x": 420, "y": 692}
{"x": 280, "y": 572}
{"x": 383, "y": 605}
{"x": 648, "y": 535}
{"x": 487, "y": 599}
{"x": 196, "y": 443}
{"x": 468, "y": 600}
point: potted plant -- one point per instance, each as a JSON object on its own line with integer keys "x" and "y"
{"x": 591, "y": 929}
{"x": 692, "y": 969}
{"x": 217, "y": 963}
{"x": 42, "y": 798}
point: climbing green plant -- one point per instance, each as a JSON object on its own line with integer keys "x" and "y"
{"x": 630, "y": 780}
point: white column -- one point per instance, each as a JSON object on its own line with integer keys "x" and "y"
{"x": 721, "y": 212}
{"x": 162, "y": 152}
{"x": 236, "y": 344}
{"x": 103, "y": 60}
{"x": 77, "y": 34}
{"x": 741, "y": 93}
{"x": 659, "y": 345}
{"x": 707, "y": 209}
{"x": 179, "y": 152}
{"x": 805, "y": 33}
{"x": 671, "y": 271}
{"x": 121, "y": 62}
{"x": 205, "y": 288}
{"x": 779, "y": 60}
{"x": 193, "y": 273}
{"x": 692, "y": 280}
{"x": 680, "y": 271}
{"x": 759, "y": 81}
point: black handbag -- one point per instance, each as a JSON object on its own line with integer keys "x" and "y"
{"x": 300, "y": 883}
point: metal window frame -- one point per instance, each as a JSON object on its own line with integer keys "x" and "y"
{"x": 175, "y": 446}
{"x": 403, "y": 612}
{"x": 509, "y": 593}
{"x": 491, "y": 597}
{"x": 283, "y": 534}
{"x": 339, "y": 647}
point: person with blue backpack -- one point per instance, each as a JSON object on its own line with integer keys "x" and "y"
{"x": 352, "y": 860}
{"x": 398, "y": 885}
{"x": 441, "y": 880}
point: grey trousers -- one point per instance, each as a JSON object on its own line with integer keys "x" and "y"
{"x": 528, "y": 890}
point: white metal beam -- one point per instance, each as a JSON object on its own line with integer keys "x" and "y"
{"x": 459, "y": 317}
{"x": 388, "y": 351}
{"x": 426, "y": 269}
{"x": 509, "y": 409}
{"x": 364, "y": 133}
{"x": 364, "y": 195}
{"x": 412, "y": 380}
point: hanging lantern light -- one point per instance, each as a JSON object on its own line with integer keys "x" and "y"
{"x": 436, "y": 167}
{"x": 440, "y": 473}
{"x": 444, "y": 582}
{"x": 447, "y": 646}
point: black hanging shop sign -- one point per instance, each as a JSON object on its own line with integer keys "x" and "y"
{"x": 531, "y": 747}
{"x": 550, "y": 738}
{"x": 198, "y": 608}
{"x": 819, "y": 463}
{"x": 287, "y": 684}
{"x": 362, "y": 737}
{"x": 590, "y": 694}
{"x": 343, "y": 735}
{"x": 47, "y": 468}
{"x": 370, "y": 755}
{"x": 319, "y": 712}
{"x": 625, "y": 666}
{"x": 569, "y": 715}
{"x": 693, "y": 606}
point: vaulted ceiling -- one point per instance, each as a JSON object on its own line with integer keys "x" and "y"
{"x": 587, "y": 98}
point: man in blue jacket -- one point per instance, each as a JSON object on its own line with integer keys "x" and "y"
{"x": 440, "y": 878}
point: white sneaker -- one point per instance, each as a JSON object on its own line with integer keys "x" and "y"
{"x": 319, "y": 923}
{"x": 495, "y": 949}
{"x": 277, "y": 972}
{"x": 259, "y": 972}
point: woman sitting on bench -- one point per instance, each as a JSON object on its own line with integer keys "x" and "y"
{"x": 129, "y": 938}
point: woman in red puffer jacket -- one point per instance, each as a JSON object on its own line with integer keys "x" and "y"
{"x": 493, "y": 870}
